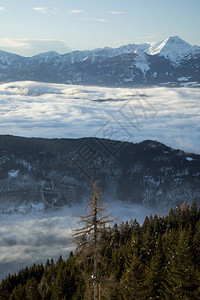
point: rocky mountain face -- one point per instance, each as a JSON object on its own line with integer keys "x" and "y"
{"x": 39, "y": 174}
{"x": 169, "y": 62}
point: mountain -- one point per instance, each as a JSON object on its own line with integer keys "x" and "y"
{"x": 173, "y": 48}
{"x": 169, "y": 62}
{"x": 39, "y": 174}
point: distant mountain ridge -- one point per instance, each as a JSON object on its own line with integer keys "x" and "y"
{"x": 38, "y": 174}
{"x": 172, "y": 61}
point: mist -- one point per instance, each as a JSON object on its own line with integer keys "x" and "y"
{"x": 34, "y": 238}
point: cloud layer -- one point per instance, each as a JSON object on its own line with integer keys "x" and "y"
{"x": 168, "y": 115}
{"x": 28, "y": 239}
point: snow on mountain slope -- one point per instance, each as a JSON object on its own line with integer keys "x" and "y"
{"x": 45, "y": 57}
{"x": 141, "y": 61}
{"x": 148, "y": 63}
{"x": 9, "y": 58}
{"x": 173, "y": 48}
{"x": 72, "y": 57}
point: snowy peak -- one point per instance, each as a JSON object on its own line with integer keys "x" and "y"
{"x": 173, "y": 48}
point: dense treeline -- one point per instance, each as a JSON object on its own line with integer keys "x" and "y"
{"x": 158, "y": 260}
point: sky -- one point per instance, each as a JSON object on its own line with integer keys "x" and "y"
{"x": 34, "y": 26}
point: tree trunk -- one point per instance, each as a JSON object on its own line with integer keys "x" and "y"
{"x": 95, "y": 250}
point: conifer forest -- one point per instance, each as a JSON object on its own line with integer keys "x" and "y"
{"x": 159, "y": 259}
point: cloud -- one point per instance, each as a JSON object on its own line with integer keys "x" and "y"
{"x": 170, "y": 116}
{"x": 34, "y": 238}
{"x": 14, "y": 43}
{"x": 45, "y": 10}
{"x": 29, "y": 47}
{"x": 95, "y": 20}
{"x": 77, "y": 11}
{"x": 116, "y": 12}
{"x": 2, "y": 8}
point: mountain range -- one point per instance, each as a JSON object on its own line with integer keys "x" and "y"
{"x": 169, "y": 62}
{"x": 41, "y": 174}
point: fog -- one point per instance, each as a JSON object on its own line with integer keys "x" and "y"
{"x": 34, "y": 238}
{"x": 169, "y": 115}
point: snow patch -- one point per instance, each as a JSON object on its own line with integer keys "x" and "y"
{"x": 141, "y": 61}
{"x": 183, "y": 78}
{"x": 13, "y": 173}
{"x": 128, "y": 79}
{"x": 189, "y": 158}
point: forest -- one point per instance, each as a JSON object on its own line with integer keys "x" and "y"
{"x": 159, "y": 259}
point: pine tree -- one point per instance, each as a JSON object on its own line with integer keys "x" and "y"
{"x": 4, "y": 290}
{"x": 133, "y": 279}
{"x": 59, "y": 292}
{"x": 32, "y": 292}
{"x": 87, "y": 237}
{"x": 196, "y": 245}
{"x": 155, "y": 274}
{"x": 182, "y": 280}
{"x": 18, "y": 293}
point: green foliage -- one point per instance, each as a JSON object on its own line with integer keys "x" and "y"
{"x": 181, "y": 280}
{"x": 158, "y": 260}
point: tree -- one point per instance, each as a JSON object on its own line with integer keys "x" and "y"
{"x": 133, "y": 279}
{"x": 181, "y": 280}
{"x": 155, "y": 273}
{"x": 31, "y": 288}
{"x": 87, "y": 237}
{"x": 18, "y": 293}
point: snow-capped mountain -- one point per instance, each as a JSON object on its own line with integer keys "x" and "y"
{"x": 173, "y": 48}
{"x": 52, "y": 173}
{"x": 172, "y": 61}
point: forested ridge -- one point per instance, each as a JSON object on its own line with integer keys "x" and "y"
{"x": 159, "y": 259}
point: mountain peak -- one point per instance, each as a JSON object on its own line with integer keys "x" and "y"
{"x": 51, "y": 53}
{"x": 176, "y": 40}
{"x": 173, "y": 48}
{"x": 45, "y": 57}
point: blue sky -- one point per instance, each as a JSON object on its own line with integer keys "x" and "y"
{"x": 33, "y": 26}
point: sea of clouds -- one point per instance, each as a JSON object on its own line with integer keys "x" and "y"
{"x": 169, "y": 115}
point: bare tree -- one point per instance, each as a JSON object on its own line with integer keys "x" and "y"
{"x": 87, "y": 236}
